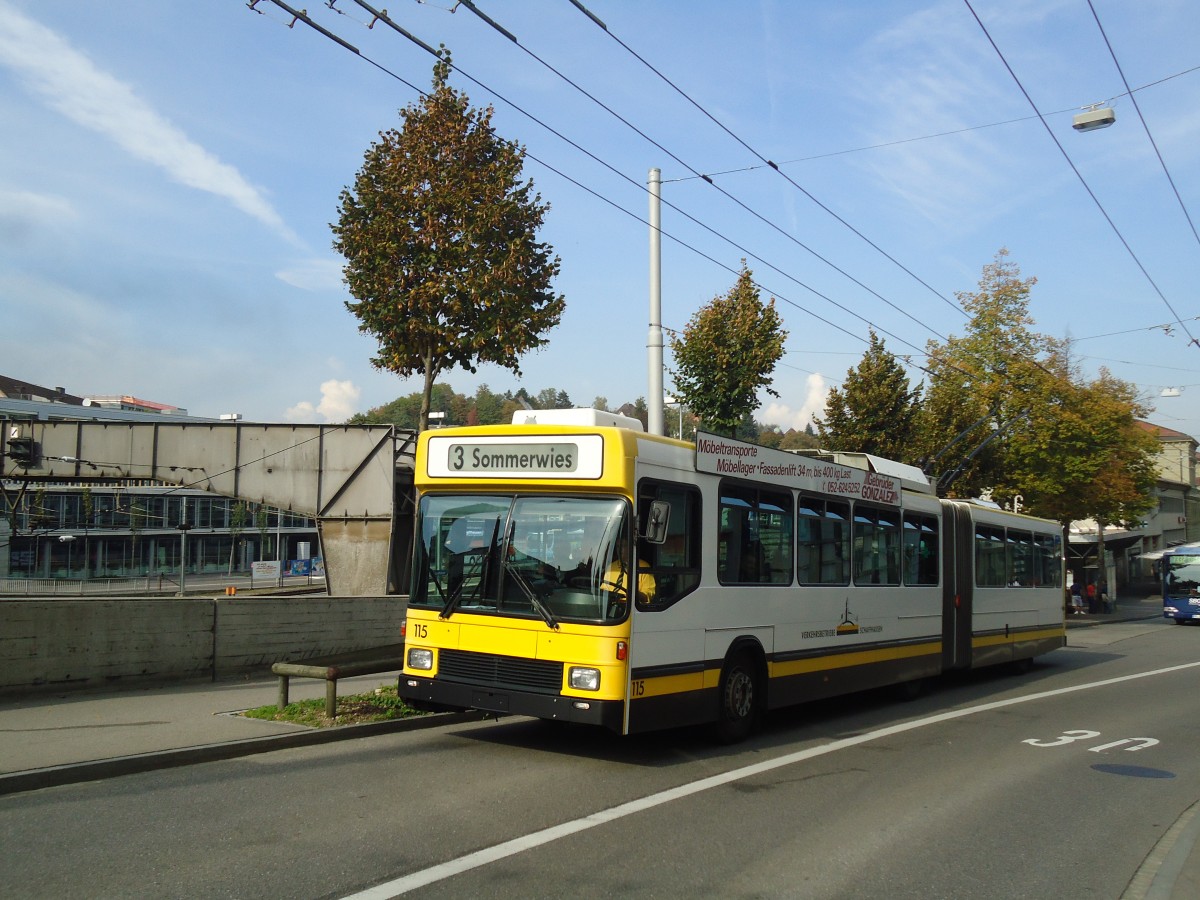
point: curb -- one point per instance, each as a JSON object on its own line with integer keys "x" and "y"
{"x": 1091, "y": 621}
{"x": 75, "y": 773}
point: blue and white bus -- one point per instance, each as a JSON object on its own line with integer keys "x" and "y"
{"x": 1180, "y": 568}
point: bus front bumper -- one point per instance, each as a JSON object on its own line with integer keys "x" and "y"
{"x": 436, "y": 695}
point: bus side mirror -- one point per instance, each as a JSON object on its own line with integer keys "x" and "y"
{"x": 656, "y": 521}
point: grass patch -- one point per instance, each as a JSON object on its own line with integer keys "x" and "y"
{"x": 379, "y": 705}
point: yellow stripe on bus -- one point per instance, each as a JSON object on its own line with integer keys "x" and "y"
{"x": 1018, "y": 637}
{"x": 848, "y": 660}
{"x": 711, "y": 678}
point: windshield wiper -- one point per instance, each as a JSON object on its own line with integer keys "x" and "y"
{"x": 456, "y": 595}
{"x": 530, "y": 594}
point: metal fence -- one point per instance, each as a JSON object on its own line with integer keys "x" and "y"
{"x": 58, "y": 587}
{"x": 147, "y": 584}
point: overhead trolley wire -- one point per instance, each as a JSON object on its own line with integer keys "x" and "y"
{"x": 469, "y": 4}
{"x": 302, "y": 16}
{"x": 382, "y": 16}
{"x": 1146, "y": 126}
{"x": 695, "y": 172}
{"x": 929, "y": 137}
{"x": 578, "y": 5}
{"x": 1082, "y": 180}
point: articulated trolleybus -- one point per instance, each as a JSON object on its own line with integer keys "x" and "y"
{"x": 570, "y": 566}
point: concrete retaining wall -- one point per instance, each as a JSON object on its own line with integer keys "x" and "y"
{"x": 56, "y": 643}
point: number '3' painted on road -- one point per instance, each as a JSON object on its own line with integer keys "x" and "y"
{"x": 1067, "y": 737}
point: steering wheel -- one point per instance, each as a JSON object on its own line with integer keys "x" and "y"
{"x": 616, "y": 588}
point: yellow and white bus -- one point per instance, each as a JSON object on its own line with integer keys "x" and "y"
{"x": 570, "y": 566}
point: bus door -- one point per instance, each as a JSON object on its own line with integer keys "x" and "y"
{"x": 957, "y": 586}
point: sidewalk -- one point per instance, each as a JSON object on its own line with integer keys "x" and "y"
{"x": 66, "y": 737}
{"x": 70, "y": 736}
{"x": 1125, "y": 610}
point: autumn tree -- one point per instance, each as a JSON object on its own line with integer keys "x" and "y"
{"x": 800, "y": 440}
{"x": 876, "y": 409}
{"x": 978, "y": 382}
{"x": 1081, "y": 453}
{"x": 726, "y": 354}
{"x": 439, "y": 235}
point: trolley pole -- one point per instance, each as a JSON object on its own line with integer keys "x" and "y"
{"x": 654, "y": 341}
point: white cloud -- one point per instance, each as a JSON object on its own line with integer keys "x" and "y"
{"x": 22, "y": 213}
{"x": 71, "y": 84}
{"x": 785, "y": 417}
{"x": 314, "y": 275}
{"x": 339, "y": 401}
{"x": 923, "y": 75}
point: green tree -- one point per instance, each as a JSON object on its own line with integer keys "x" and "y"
{"x": 489, "y": 406}
{"x": 876, "y": 409}
{"x": 1080, "y": 454}
{"x": 726, "y": 354}
{"x": 979, "y": 383}
{"x": 405, "y": 412}
{"x": 439, "y": 237}
{"x": 799, "y": 440}
{"x": 552, "y": 399}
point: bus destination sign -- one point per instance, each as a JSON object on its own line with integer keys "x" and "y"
{"x": 579, "y": 456}
{"x": 723, "y": 456}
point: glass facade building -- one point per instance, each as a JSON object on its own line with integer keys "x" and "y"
{"x": 73, "y": 531}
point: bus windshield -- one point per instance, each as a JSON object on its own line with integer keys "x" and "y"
{"x": 1181, "y": 575}
{"x": 554, "y": 558}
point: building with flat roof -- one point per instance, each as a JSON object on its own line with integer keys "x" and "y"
{"x": 106, "y": 527}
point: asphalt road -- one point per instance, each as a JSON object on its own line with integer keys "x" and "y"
{"x": 1066, "y": 782}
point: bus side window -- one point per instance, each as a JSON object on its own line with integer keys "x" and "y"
{"x": 755, "y": 545}
{"x": 675, "y": 563}
{"x": 921, "y": 562}
{"x": 990, "y": 556}
{"x": 876, "y": 545}
{"x": 823, "y": 541}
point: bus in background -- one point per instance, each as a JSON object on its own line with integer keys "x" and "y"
{"x": 572, "y": 567}
{"x": 1181, "y": 583}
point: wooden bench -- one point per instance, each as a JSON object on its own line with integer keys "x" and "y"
{"x": 343, "y": 665}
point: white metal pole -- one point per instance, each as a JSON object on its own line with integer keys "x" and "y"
{"x": 654, "y": 342}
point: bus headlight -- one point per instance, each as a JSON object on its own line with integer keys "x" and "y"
{"x": 420, "y": 658}
{"x": 584, "y": 679}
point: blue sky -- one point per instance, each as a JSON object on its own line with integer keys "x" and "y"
{"x": 169, "y": 170}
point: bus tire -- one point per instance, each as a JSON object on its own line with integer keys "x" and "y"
{"x": 1021, "y": 666}
{"x": 738, "y": 699}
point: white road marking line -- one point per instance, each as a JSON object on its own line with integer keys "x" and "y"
{"x": 498, "y": 852}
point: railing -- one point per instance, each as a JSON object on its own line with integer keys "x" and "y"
{"x": 57, "y": 587}
{"x": 142, "y": 584}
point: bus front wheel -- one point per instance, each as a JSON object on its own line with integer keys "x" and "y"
{"x": 739, "y": 699}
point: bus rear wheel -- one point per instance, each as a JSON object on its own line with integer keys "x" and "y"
{"x": 738, "y": 695}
